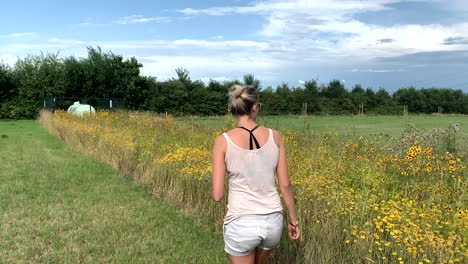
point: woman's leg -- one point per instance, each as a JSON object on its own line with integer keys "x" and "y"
{"x": 249, "y": 259}
{"x": 261, "y": 255}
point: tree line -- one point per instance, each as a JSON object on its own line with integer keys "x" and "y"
{"x": 107, "y": 75}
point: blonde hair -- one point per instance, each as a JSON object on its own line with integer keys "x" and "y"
{"x": 242, "y": 99}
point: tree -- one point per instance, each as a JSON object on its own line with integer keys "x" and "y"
{"x": 249, "y": 79}
{"x": 370, "y": 99}
{"x": 37, "y": 77}
{"x": 6, "y": 84}
{"x": 335, "y": 99}
{"x": 410, "y": 97}
{"x": 138, "y": 91}
{"x": 104, "y": 74}
{"x": 312, "y": 98}
{"x": 358, "y": 95}
{"x": 8, "y": 91}
{"x": 464, "y": 104}
{"x": 283, "y": 99}
{"x": 382, "y": 97}
{"x": 335, "y": 89}
{"x": 75, "y": 78}
{"x": 268, "y": 99}
{"x": 219, "y": 99}
{"x": 171, "y": 97}
{"x": 183, "y": 76}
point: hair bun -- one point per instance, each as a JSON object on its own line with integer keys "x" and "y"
{"x": 242, "y": 98}
{"x": 236, "y": 91}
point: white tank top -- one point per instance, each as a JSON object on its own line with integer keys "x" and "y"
{"x": 251, "y": 176}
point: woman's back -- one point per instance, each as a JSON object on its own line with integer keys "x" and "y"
{"x": 251, "y": 173}
{"x": 251, "y": 155}
{"x": 240, "y": 137}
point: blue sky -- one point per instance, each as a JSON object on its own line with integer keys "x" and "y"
{"x": 375, "y": 43}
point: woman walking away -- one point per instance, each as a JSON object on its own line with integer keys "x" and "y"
{"x": 250, "y": 154}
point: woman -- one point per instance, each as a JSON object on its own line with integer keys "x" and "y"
{"x": 251, "y": 154}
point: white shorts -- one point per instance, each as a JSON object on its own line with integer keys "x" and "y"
{"x": 247, "y": 232}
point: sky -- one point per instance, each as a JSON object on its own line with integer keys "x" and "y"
{"x": 386, "y": 44}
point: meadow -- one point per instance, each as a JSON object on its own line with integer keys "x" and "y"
{"x": 60, "y": 206}
{"x": 372, "y": 125}
{"x": 366, "y": 193}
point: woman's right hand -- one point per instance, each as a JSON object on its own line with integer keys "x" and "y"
{"x": 293, "y": 231}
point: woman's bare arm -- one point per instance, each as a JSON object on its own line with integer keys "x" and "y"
{"x": 286, "y": 187}
{"x": 219, "y": 168}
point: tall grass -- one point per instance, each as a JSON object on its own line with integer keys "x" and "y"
{"x": 60, "y": 206}
{"x": 360, "y": 200}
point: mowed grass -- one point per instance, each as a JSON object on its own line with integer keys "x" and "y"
{"x": 349, "y": 125}
{"x": 59, "y": 206}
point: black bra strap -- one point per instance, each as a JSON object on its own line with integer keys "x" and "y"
{"x": 252, "y": 138}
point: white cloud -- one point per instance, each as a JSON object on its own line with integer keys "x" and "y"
{"x": 66, "y": 41}
{"x": 406, "y": 39}
{"x": 20, "y": 35}
{"x": 329, "y": 27}
{"x": 378, "y": 71}
{"x": 457, "y": 5}
{"x": 141, "y": 19}
{"x": 8, "y": 59}
{"x": 23, "y": 49}
{"x": 229, "y": 66}
{"x": 182, "y": 43}
{"x": 220, "y": 79}
{"x": 229, "y": 59}
{"x": 298, "y": 6}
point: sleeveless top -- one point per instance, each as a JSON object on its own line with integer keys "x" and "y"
{"x": 251, "y": 176}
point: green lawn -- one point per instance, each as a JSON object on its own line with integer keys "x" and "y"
{"x": 59, "y": 206}
{"x": 349, "y": 125}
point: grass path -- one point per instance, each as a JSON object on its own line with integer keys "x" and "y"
{"x": 59, "y": 206}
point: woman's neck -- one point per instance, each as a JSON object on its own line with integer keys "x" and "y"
{"x": 246, "y": 121}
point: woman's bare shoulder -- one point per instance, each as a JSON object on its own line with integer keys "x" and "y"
{"x": 277, "y": 137}
{"x": 220, "y": 141}
{"x": 230, "y": 132}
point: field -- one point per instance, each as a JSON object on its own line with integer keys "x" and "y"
{"x": 350, "y": 126}
{"x": 60, "y": 206}
{"x": 394, "y": 194}
{"x": 365, "y": 193}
